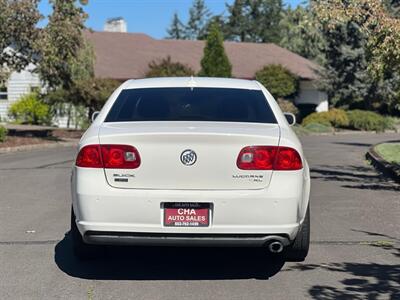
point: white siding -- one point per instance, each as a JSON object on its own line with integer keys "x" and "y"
{"x": 309, "y": 94}
{"x": 19, "y": 84}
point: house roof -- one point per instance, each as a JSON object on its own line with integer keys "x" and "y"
{"x": 127, "y": 55}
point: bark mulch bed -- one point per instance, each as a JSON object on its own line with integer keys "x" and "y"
{"x": 55, "y": 136}
{"x": 14, "y": 141}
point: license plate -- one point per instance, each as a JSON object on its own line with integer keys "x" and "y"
{"x": 186, "y": 214}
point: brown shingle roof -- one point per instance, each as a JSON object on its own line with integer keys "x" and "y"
{"x": 127, "y": 55}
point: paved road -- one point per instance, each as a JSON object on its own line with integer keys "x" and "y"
{"x": 355, "y": 249}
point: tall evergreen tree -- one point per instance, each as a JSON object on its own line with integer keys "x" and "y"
{"x": 176, "y": 31}
{"x": 217, "y": 19}
{"x": 393, "y": 7}
{"x": 215, "y": 62}
{"x": 345, "y": 77}
{"x": 300, "y": 33}
{"x": 254, "y": 21}
{"x": 198, "y": 19}
{"x": 382, "y": 35}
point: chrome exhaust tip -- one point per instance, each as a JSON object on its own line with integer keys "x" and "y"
{"x": 275, "y": 247}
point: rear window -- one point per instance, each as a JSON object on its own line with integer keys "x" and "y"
{"x": 187, "y": 104}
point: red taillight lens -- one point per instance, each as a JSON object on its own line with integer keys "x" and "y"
{"x": 108, "y": 157}
{"x": 269, "y": 158}
{"x": 89, "y": 157}
{"x": 288, "y": 159}
{"x": 120, "y": 157}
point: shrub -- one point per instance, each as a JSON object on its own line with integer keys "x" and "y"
{"x": 391, "y": 123}
{"x": 30, "y": 110}
{"x": 318, "y": 127}
{"x": 90, "y": 93}
{"x": 299, "y": 130}
{"x": 367, "y": 120}
{"x": 3, "y": 134}
{"x": 338, "y": 118}
{"x": 288, "y": 106}
{"x": 320, "y": 118}
{"x": 335, "y": 117}
{"x": 167, "y": 68}
{"x": 278, "y": 80}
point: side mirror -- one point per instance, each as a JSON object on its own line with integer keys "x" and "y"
{"x": 290, "y": 118}
{"x": 94, "y": 115}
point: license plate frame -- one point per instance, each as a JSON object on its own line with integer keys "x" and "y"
{"x": 186, "y": 214}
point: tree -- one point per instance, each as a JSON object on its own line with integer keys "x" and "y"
{"x": 60, "y": 42}
{"x": 254, "y": 21}
{"x": 82, "y": 66}
{"x": 176, "y": 30}
{"x": 198, "y": 19}
{"x": 381, "y": 29}
{"x": 90, "y": 93}
{"x": 394, "y": 7}
{"x": 382, "y": 44}
{"x": 93, "y": 92}
{"x": 278, "y": 80}
{"x": 300, "y": 33}
{"x": 167, "y": 68}
{"x": 18, "y": 31}
{"x": 216, "y": 19}
{"x": 345, "y": 77}
{"x": 215, "y": 62}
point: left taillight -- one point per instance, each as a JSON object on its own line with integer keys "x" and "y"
{"x": 108, "y": 157}
{"x": 89, "y": 157}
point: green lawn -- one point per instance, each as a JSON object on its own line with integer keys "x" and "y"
{"x": 390, "y": 152}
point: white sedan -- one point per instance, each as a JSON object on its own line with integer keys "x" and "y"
{"x": 191, "y": 162}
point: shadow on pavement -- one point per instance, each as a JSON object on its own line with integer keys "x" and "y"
{"x": 365, "y": 280}
{"x": 161, "y": 263}
{"x": 353, "y": 144}
{"x": 354, "y": 177}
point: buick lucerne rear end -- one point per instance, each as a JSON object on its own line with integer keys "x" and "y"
{"x": 191, "y": 162}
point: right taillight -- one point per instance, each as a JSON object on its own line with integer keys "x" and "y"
{"x": 108, "y": 157}
{"x": 269, "y": 158}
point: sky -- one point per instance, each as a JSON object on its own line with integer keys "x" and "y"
{"x": 147, "y": 16}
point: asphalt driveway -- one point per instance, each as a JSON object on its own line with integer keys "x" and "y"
{"x": 355, "y": 251}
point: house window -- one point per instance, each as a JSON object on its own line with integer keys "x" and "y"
{"x": 35, "y": 89}
{"x": 3, "y": 92}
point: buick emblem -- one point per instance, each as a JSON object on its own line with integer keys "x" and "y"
{"x": 188, "y": 157}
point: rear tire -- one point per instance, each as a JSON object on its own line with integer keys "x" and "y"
{"x": 81, "y": 250}
{"x": 298, "y": 251}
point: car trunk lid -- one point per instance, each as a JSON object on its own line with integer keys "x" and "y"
{"x": 188, "y": 155}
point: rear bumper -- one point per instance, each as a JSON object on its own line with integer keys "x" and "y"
{"x": 110, "y": 215}
{"x": 184, "y": 240}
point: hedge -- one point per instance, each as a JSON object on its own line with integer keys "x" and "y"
{"x": 335, "y": 117}
{"x": 367, "y": 120}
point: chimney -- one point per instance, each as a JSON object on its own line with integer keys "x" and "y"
{"x": 115, "y": 25}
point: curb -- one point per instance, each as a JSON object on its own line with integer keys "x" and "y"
{"x": 347, "y": 132}
{"x": 390, "y": 170}
{"x": 37, "y": 146}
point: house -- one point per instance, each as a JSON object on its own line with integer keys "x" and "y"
{"x": 19, "y": 84}
{"x": 121, "y": 55}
